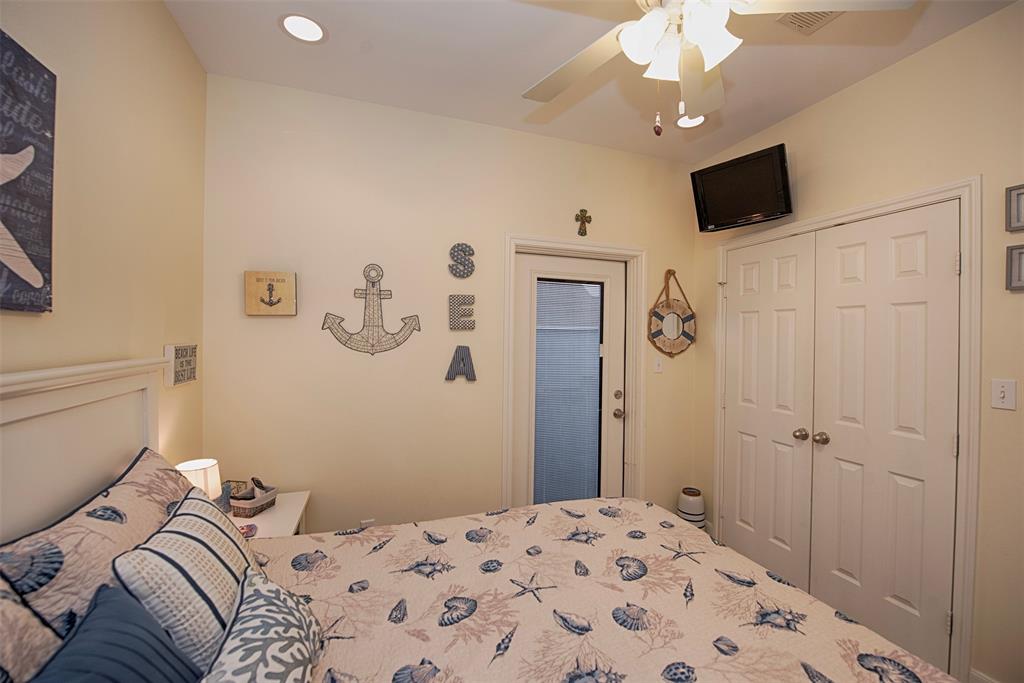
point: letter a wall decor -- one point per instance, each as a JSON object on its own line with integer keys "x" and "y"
{"x": 372, "y": 338}
{"x": 462, "y": 364}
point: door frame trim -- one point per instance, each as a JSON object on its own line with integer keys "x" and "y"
{"x": 634, "y": 483}
{"x": 968, "y": 191}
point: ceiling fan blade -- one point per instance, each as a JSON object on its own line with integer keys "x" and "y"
{"x": 701, "y": 91}
{"x": 785, "y": 6}
{"x": 585, "y": 62}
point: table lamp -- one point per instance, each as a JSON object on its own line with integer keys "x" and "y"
{"x": 203, "y": 473}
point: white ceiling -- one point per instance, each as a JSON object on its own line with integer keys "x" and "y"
{"x": 471, "y": 59}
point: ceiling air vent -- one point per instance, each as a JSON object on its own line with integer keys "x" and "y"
{"x": 807, "y": 22}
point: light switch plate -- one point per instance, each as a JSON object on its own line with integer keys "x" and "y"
{"x": 1004, "y": 394}
{"x": 658, "y": 365}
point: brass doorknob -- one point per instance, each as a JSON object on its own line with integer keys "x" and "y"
{"x": 821, "y": 438}
{"x": 801, "y": 434}
{"x": 618, "y": 413}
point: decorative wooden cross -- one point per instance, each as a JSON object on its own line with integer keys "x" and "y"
{"x": 583, "y": 219}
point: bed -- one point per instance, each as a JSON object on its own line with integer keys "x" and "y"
{"x": 588, "y": 590}
{"x": 600, "y": 590}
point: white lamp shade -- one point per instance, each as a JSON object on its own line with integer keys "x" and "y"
{"x": 640, "y": 38}
{"x": 704, "y": 26}
{"x": 716, "y": 46}
{"x": 665, "y": 65}
{"x": 203, "y": 473}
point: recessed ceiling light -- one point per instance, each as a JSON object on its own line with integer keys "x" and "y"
{"x": 303, "y": 28}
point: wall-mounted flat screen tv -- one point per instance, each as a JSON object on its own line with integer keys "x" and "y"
{"x": 748, "y": 190}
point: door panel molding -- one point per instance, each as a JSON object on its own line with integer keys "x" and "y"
{"x": 968, "y": 192}
{"x": 634, "y": 470}
{"x": 770, "y": 375}
{"x": 894, "y": 346}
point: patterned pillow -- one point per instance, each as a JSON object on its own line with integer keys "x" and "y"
{"x": 57, "y": 570}
{"x": 25, "y": 641}
{"x": 118, "y": 640}
{"x": 187, "y": 575}
{"x": 273, "y": 636}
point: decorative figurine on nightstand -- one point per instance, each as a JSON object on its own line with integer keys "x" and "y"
{"x": 223, "y": 501}
{"x": 248, "y": 530}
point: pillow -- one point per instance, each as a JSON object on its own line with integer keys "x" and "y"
{"x": 56, "y": 570}
{"x": 187, "y": 575}
{"x": 118, "y": 640}
{"x": 25, "y": 641}
{"x": 273, "y": 637}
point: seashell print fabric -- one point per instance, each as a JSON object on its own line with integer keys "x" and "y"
{"x": 26, "y": 643}
{"x": 567, "y": 593}
{"x": 57, "y": 570}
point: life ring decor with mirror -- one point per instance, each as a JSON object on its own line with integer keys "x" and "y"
{"x": 672, "y": 325}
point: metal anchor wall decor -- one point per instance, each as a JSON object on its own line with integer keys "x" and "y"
{"x": 270, "y": 300}
{"x": 372, "y": 338}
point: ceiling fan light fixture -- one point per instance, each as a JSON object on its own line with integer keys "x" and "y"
{"x": 639, "y": 40}
{"x": 717, "y": 46}
{"x": 665, "y": 65}
{"x": 303, "y": 28}
{"x": 687, "y": 122}
{"x": 704, "y": 26}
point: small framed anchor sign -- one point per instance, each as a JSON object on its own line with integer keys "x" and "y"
{"x": 270, "y": 293}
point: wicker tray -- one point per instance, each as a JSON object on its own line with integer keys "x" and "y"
{"x": 251, "y": 508}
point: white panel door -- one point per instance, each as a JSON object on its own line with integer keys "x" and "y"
{"x": 885, "y": 393}
{"x": 768, "y": 399}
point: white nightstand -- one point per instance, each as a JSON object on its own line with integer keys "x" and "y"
{"x": 286, "y": 518}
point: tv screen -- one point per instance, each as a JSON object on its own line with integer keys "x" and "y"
{"x": 748, "y": 190}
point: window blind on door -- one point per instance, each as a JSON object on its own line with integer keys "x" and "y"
{"x": 567, "y": 436}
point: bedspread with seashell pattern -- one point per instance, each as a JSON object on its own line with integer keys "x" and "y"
{"x": 601, "y": 590}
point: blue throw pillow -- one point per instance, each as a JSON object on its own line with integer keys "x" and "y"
{"x": 116, "y": 641}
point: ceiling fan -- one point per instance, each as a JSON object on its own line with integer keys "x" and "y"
{"x": 685, "y": 41}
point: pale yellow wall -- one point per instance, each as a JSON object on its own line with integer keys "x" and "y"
{"x": 323, "y": 186}
{"x": 953, "y": 110}
{"x": 128, "y": 195}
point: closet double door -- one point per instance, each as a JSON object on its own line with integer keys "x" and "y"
{"x": 840, "y": 427}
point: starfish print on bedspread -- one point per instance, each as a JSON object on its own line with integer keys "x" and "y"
{"x": 529, "y": 587}
{"x": 679, "y": 551}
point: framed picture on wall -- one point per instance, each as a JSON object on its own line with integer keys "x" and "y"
{"x": 270, "y": 293}
{"x": 1015, "y": 268}
{"x": 1015, "y": 208}
{"x": 28, "y": 95}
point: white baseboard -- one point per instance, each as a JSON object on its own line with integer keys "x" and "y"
{"x": 978, "y": 677}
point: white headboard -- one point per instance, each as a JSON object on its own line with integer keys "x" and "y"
{"x": 67, "y": 432}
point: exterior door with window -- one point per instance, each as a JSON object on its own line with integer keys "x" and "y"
{"x": 569, "y": 363}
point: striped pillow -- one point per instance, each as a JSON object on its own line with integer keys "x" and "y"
{"x": 187, "y": 575}
{"x": 118, "y": 640}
